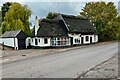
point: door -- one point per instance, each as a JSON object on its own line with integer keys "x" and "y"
{"x": 71, "y": 40}
{"x": 45, "y": 41}
{"x": 90, "y": 40}
{"x": 21, "y": 43}
{"x": 82, "y": 40}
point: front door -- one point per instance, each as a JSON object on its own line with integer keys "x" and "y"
{"x": 90, "y": 40}
{"x": 21, "y": 44}
{"x": 82, "y": 40}
{"x": 71, "y": 41}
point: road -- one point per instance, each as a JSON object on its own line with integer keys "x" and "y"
{"x": 67, "y": 64}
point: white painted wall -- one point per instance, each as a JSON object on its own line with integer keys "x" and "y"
{"x": 28, "y": 40}
{"x": 41, "y": 43}
{"x": 16, "y": 43}
{"x": 69, "y": 43}
{"x": 95, "y": 38}
{"x": 32, "y": 41}
{"x": 75, "y": 36}
{"x": 7, "y": 41}
{"x": 84, "y": 39}
{"x": 10, "y": 42}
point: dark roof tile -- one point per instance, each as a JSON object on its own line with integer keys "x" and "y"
{"x": 78, "y": 24}
{"x": 51, "y": 28}
{"x": 11, "y": 33}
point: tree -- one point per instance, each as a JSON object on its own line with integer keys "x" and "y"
{"x": 5, "y": 8}
{"x": 102, "y": 15}
{"x": 113, "y": 28}
{"x": 0, "y": 18}
{"x": 17, "y": 18}
{"x": 51, "y": 15}
{"x": 0, "y": 14}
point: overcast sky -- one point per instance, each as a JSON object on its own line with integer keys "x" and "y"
{"x": 41, "y": 8}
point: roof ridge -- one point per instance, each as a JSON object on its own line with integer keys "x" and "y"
{"x": 18, "y": 32}
{"x": 50, "y": 20}
{"x": 73, "y": 16}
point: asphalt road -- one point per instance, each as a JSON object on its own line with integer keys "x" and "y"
{"x": 67, "y": 64}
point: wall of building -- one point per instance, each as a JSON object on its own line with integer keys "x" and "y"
{"x": 11, "y": 42}
{"x": 76, "y": 37}
{"x": 84, "y": 39}
{"x": 28, "y": 41}
{"x": 40, "y": 42}
{"x": 95, "y": 38}
{"x": 16, "y": 43}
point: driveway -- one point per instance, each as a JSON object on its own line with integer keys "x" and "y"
{"x": 68, "y": 64}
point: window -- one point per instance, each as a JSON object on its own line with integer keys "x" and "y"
{"x": 58, "y": 38}
{"x": 36, "y": 43}
{"x": 77, "y": 41}
{"x": 60, "y": 41}
{"x": 53, "y": 39}
{"x": 53, "y": 43}
{"x": 45, "y": 40}
{"x": 32, "y": 39}
{"x": 39, "y": 40}
{"x": 87, "y": 38}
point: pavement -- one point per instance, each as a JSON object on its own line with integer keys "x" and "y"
{"x": 66, "y": 64}
{"x": 107, "y": 70}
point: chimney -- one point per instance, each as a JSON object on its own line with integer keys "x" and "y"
{"x": 36, "y": 25}
{"x": 59, "y": 16}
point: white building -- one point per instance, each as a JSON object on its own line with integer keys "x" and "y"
{"x": 49, "y": 33}
{"x": 80, "y": 29}
{"x": 64, "y": 30}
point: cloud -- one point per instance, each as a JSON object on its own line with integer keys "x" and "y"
{"x": 57, "y": 0}
{"x": 42, "y": 8}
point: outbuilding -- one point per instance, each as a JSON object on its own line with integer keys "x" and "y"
{"x": 15, "y": 39}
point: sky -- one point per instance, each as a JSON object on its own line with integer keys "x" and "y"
{"x": 41, "y": 8}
